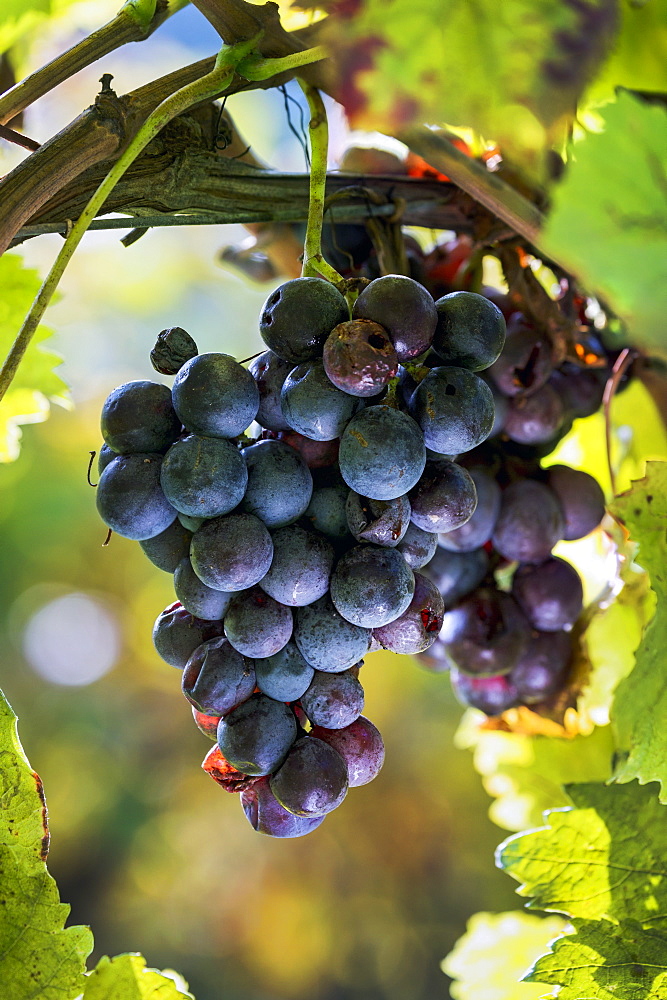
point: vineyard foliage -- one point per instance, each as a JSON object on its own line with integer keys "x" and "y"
{"x": 583, "y": 796}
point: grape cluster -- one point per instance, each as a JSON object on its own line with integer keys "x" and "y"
{"x": 295, "y": 501}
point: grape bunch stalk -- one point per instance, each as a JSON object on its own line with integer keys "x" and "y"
{"x": 295, "y": 501}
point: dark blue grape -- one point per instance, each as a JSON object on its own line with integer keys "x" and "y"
{"x": 168, "y": 548}
{"x": 417, "y": 546}
{"x": 326, "y": 511}
{"x": 486, "y": 633}
{"x": 177, "y": 633}
{"x": 104, "y": 456}
{"x": 541, "y": 670}
{"x": 280, "y": 483}
{"x": 284, "y": 676}
{"x": 257, "y": 625}
{"x": 382, "y": 453}
{"x": 215, "y": 396}
{"x": 361, "y": 747}
{"x": 550, "y": 594}
{"x": 444, "y": 498}
{"x": 138, "y": 417}
{"x": 359, "y": 357}
{"x": 454, "y": 408}
{"x": 301, "y": 567}
{"x": 266, "y": 815}
{"x": 381, "y": 522}
{"x": 173, "y": 348}
{"x": 479, "y": 528}
{"x": 581, "y": 500}
{"x": 196, "y": 597}
{"x": 580, "y": 389}
{"x": 217, "y": 678}
{"x": 256, "y": 736}
{"x": 333, "y": 700}
{"x": 530, "y": 522}
{"x": 491, "y": 695}
{"x": 534, "y": 419}
{"x": 327, "y": 640}
{"x": 129, "y": 497}
{"x": 313, "y": 406}
{"x": 298, "y": 317}
{"x": 456, "y": 574}
{"x": 203, "y": 476}
{"x": 419, "y": 625}
{"x": 232, "y": 552}
{"x": 470, "y": 331}
{"x": 269, "y": 372}
{"x": 404, "y": 308}
{"x": 371, "y": 586}
{"x": 313, "y": 779}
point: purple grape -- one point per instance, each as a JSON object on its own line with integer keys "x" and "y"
{"x": 580, "y": 497}
{"x": 269, "y": 372}
{"x": 284, "y": 676}
{"x": 203, "y": 476}
{"x": 333, "y": 700}
{"x": 534, "y": 419}
{"x": 526, "y": 360}
{"x": 444, "y": 498}
{"x": 301, "y": 567}
{"x": 257, "y": 625}
{"x": 266, "y": 815}
{"x": 491, "y": 695}
{"x": 231, "y": 553}
{"x": 130, "y": 499}
{"x": 256, "y": 736}
{"x": 196, "y": 597}
{"x": 470, "y": 331}
{"x": 168, "y": 548}
{"x": 486, "y": 633}
{"x": 313, "y": 406}
{"x": 361, "y": 747}
{"x": 215, "y": 396}
{"x": 454, "y": 408}
{"x": 419, "y": 625}
{"x": 217, "y": 678}
{"x": 404, "y": 308}
{"x": 359, "y": 358}
{"x": 479, "y": 528}
{"x": 371, "y": 586}
{"x": 177, "y": 633}
{"x": 382, "y": 453}
{"x": 381, "y": 522}
{"x": 417, "y": 546}
{"x": 139, "y": 417}
{"x": 327, "y": 640}
{"x": 530, "y": 522}
{"x": 280, "y": 483}
{"x": 456, "y": 574}
{"x": 549, "y": 594}
{"x": 541, "y": 670}
{"x": 313, "y": 779}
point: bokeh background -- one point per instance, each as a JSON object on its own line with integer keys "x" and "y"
{"x": 146, "y": 848}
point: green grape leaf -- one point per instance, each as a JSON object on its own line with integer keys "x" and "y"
{"x": 605, "y": 961}
{"x": 606, "y": 857}
{"x": 608, "y": 223}
{"x": 27, "y": 399}
{"x": 40, "y": 959}
{"x": 508, "y": 72}
{"x": 126, "y": 977}
{"x": 495, "y": 952}
{"x": 640, "y": 705}
{"x": 526, "y": 774}
{"x": 639, "y": 57}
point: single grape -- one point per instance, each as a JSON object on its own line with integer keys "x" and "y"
{"x": 581, "y": 500}
{"x": 549, "y": 594}
{"x": 280, "y": 483}
{"x": 284, "y": 676}
{"x": 470, "y": 331}
{"x": 359, "y": 357}
{"x": 382, "y": 453}
{"x": 361, "y": 747}
{"x": 177, "y": 633}
{"x": 404, "y": 308}
{"x": 327, "y": 511}
{"x": 301, "y": 567}
{"x": 173, "y": 348}
{"x": 196, "y": 597}
{"x": 456, "y": 574}
{"x": 541, "y": 670}
{"x": 316, "y": 454}
{"x": 333, "y": 700}
{"x": 129, "y": 497}
{"x": 104, "y": 456}
{"x": 269, "y": 372}
{"x": 168, "y": 548}
{"x": 138, "y": 417}
{"x": 486, "y": 633}
{"x": 217, "y": 678}
{"x": 530, "y": 522}
{"x": 327, "y": 640}
{"x": 580, "y": 389}
{"x": 298, "y": 317}
{"x": 256, "y": 736}
{"x": 382, "y": 522}
{"x": 534, "y": 419}
{"x": 203, "y": 476}
{"x": 215, "y": 396}
{"x": 417, "y": 546}
{"x": 454, "y": 408}
{"x": 232, "y": 552}
{"x": 372, "y": 586}
{"x": 478, "y": 529}
{"x": 491, "y": 695}
{"x": 419, "y": 625}
{"x": 444, "y": 498}
{"x": 257, "y": 625}
{"x": 266, "y": 815}
{"x": 313, "y": 406}
{"x": 313, "y": 779}
{"x": 525, "y": 363}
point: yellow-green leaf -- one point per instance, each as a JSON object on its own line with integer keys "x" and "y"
{"x": 606, "y": 857}
{"x": 605, "y": 961}
{"x": 126, "y": 977}
{"x": 608, "y": 223}
{"x": 640, "y": 706}
{"x": 488, "y": 962}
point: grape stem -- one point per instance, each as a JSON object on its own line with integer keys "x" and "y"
{"x": 206, "y": 88}
{"x": 314, "y": 264}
